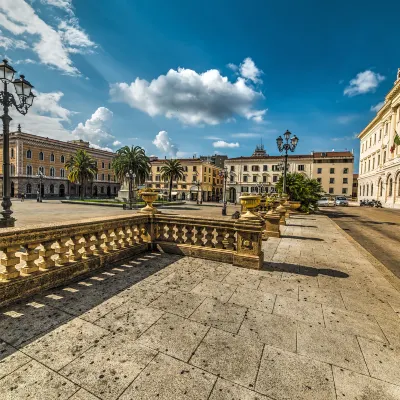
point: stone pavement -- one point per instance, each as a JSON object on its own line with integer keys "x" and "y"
{"x": 318, "y": 322}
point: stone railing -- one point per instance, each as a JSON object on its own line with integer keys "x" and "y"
{"x": 33, "y": 259}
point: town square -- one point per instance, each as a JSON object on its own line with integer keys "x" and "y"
{"x": 200, "y": 200}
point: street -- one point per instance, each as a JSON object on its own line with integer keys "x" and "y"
{"x": 376, "y": 229}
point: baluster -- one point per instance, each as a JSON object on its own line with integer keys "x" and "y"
{"x": 219, "y": 239}
{"x": 76, "y": 247}
{"x": 9, "y": 261}
{"x": 98, "y": 243}
{"x": 209, "y": 236}
{"x": 30, "y": 257}
{"x": 88, "y": 245}
{"x": 229, "y": 241}
{"x": 126, "y": 240}
{"x": 135, "y": 231}
{"x": 189, "y": 235}
{"x": 107, "y": 240}
{"x": 165, "y": 234}
{"x": 47, "y": 253}
{"x": 63, "y": 251}
{"x": 143, "y": 233}
{"x": 199, "y": 236}
{"x": 179, "y": 233}
{"x": 171, "y": 233}
{"x": 113, "y": 239}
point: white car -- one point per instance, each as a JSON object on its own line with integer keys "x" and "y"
{"x": 325, "y": 202}
{"x": 341, "y": 201}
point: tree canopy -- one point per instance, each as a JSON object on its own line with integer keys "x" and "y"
{"x": 171, "y": 171}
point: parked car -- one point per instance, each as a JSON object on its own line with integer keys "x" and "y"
{"x": 326, "y": 202}
{"x": 341, "y": 201}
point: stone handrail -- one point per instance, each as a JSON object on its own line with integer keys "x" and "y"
{"x": 41, "y": 257}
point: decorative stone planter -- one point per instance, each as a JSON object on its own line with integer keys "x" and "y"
{"x": 295, "y": 205}
{"x": 249, "y": 203}
{"x": 149, "y": 198}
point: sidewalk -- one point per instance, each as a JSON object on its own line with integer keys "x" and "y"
{"x": 319, "y": 322}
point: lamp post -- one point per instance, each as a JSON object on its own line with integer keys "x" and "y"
{"x": 131, "y": 176}
{"x": 40, "y": 175}
{"x": 197, "y": 183}
{"x": 224, "y": 175}
{"x": 289, "y": 143}
{"x": 24, "y": 91}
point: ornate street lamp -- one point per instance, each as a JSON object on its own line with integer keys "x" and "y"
{"x": 24, "y": 91}
{"x": 284, "y": 145}
{"x": 41, "y": 176}
{"x": 197, "y": 183}
{"x": 131, "y": 176}
{"x": 224, "y": 175}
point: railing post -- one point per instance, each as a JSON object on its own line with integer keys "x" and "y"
{"x": 9, "y": 261}
{"x": 47, "y": 253}
{"x": 249, "y": 241}
{"x": 30, "y": 257}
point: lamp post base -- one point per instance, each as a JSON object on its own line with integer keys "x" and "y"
{"x": 7, "y": 222}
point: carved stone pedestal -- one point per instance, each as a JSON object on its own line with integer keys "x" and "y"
{"x": 272, "y": 222}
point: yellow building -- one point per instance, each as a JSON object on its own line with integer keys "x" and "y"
{"x": 30, "y": 154}
{"x": 201, "y": 180}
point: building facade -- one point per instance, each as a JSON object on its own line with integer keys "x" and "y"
{"x": 379, "y": 171}
{"x": 261, "y": 172}
{"x": 354, "y": 192}
{"x": 208, "y": 188}
{"x": 30, "y": 154}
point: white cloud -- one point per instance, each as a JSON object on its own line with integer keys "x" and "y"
{"x": 26, "y": 61}
{"x": 249, "y": 70}
{"x": 233, "y": 67}
{"x": 245, "y": 135}
{"x": 339, "y": 139}
{"x": 53, "y": 47}
{"x": 11, "y": 44}
{"x": 377, "y": 107}
{"x": 212, "y": 138}
{"x": 117, "y": 143}
{"x": 364, "y": 82}
{"x": 223, "y": 144}
{"x": 346, "y": 119}
{"x": 191, "y": 97}
{"x": 163, "y": 143}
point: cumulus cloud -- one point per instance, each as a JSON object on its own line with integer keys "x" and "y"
{"x": 212, "y": 138}
{"x": 192, "y": 98}
{"x": 225, "y": 145}
{"x": 364, "y": 82}
{"x": 8, "y": 43}
{"x": 117, "y": 143}
{"x": 377, "y": 107}
{"x": 52, "y": 45}
{"x": 249, "y": 70}
{"x": 245, "y": 135}
{"x": 163, "y": 143}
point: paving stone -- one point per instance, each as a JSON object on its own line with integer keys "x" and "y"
{"x": 229, "y": 356}
{"x": 353, "y": 323}
{"x": 35, "y": 381}
{"x": 83, "y": 394}
{"x": 108, "y": 368}
{"x": 253, "y": 299}
{"x": 391, "y": 329}
{"x": 271, "y": 329}
{"x": 225, "y": 316}
{"x": 10, "y": 359}
{"x": 383, "y": 360}
{"x": 300, "y": 310}
{"x": 300, "y": 279}
{"x": 216, "y": 290}
{"x": 177, "y": 302}
{"x": 102, "y": 309}
{"x": 243, "y": 278}
{"x": 166, "y": 378}
{"x": 130, "y": 318}
{"x": 330, "y": 297}
{"x": 279, "y": 287}
{"x": 214, "y": 272}
{"x": 330, "y": 346}
{"x": 62, "y": 345}
{"x": 225, "y": 390}
{"x": 181, "y": 281}
{"x": 285, "y": 375}
{"x": 352, "y": 386}
{"x": 139, "y": 295}
{"x": 173, "y": 335}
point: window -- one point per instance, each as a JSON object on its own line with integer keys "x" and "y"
{"x": 51, "y": 189}
{"x": 373, "y": 163}
{"x": 184, "y": 178}
{"x": 372, "y": 189}
{"x": 390, "y": 187}
{"x": 264, "y": 179}
{"x": 109, "y": 165}
{"x": 41, "y": 156}
{"x": 332, "y": 171}
{"x": 319, "y": 171}
{"x": 345, "y": 180}
{"x": 331, "y": 180}
{"x": 275, "y": 178}
{"x": 185, "y": 168}
{"x": 379, "y": 159}
{"x": 62, "y": 173}
{"x": 380, "y": 188}
{"x": 274, "y": 168}
{"x": 319, "y": 180}
{"x": 384, "y": 157}
{"x": 102, "y": 164}
{"x": 158, "y": 169}
{"x": 245, "y": 178}
{"x": 245, "y": 168}
{"x": 29, "y": 188}
{"x": 255, "y": 168}
{"x": 102, "y": 177}
{"x": 344, "y": 191}
{"x": 367, "y": 189}
{"x": 232, "y": 178}
{"x": 375, "y": 138}
{"x": 12, "y": 169}
{"x": 345, "y": 170}
{"x": 232, "y": 168}
{"x": 380, "y": 134}
{"x": 370, "y": 141}
{"x": 52, "y": 171}
{"x": 158, "y": 185}
{"x": 194, "y": 168}
{"x": 331, "y": 190}
{"x": 265, "y": 167}
{"x": 62, "y": 159}
{"x": 29, "y": 154}
{"x": 102, "y": 190}
{"x": 41, "y": 169}
{"x": 254, "y": 178}
{"x": 245, "y": 189}
{"x": 109, "y": 177}
{"x": 369, "y": 165}
{"x": 183, "y": 186}
{"x": 29, "y": 169}
{"x": 12, "y": 153}
{"x": 205, "y": 179}
{"x": 52, "y": 157}
{"x": 157, "y": 178}
{"x": 300, "y": 168}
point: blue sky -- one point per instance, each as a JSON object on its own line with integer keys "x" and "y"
{"x": 180, "y": 77}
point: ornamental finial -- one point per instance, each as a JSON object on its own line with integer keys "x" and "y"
{"x": 19, "y": 128}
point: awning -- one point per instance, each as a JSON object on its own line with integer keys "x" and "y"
{"x": 174, "y": 193}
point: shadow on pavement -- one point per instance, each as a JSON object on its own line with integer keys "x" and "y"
{"x": 302, "y": 238}
{"x": 302, "y": 226}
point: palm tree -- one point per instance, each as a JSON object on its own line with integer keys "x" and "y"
{"x": 131, "y": 160}
{"x": 82, "y": 168}
{"x": 172, "y": 170}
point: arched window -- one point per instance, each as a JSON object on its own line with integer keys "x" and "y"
{"x": 62, "y": 173}
{"x": 29, "y": 169}
{"x": 29, "y": 154}
{"x": 41, "y": 169}
{"x": 363, "y": 190}
{"x": 62, "y": 159}
{"x": 367, "y": 189}
{"x": 12, "y": 153}
{"x": 390, "y": 187}
{"x": 41, "y": 156}
{"x": 52, "y": 171}
{"x": 29, "y": 188}
{"x": 380, "y": 188}
{"x": 51, "y": 157}
{"x": 372, "y": 189}
{"x": 51, "y": 189}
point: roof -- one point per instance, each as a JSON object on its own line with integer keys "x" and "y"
{"x": 333, "y": 154}
{"x": 327, "y": 154}
{"x": 268, "y": 157}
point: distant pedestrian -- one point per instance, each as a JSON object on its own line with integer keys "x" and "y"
{"x": 22, "y": 196}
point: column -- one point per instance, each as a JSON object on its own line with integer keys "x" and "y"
{"x": 392, "y": 132}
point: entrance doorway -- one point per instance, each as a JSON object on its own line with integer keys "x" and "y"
{"x": 12, "y": 189}
{"x": 62, "y": 190}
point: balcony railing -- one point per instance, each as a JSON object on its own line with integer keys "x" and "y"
{"x": 34, "y": 259}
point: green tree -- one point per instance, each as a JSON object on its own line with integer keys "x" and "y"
{"x": 172, "y": 170}
{"x": 82, "y": 168}
{"x": 300, "y": 188}
{"x": 131, "y": 160}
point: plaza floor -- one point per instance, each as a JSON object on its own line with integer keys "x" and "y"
{"x": 317, "y": 322}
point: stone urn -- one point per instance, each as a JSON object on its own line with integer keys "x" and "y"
{"x": 295, "y": 205}
{"x": 249, "y": 203}
{"x": 149, "y": 198}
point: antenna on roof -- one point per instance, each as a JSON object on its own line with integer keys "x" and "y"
{"x": 19, "y": 127}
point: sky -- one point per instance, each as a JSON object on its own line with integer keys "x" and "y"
{"x": 183, "y": 78}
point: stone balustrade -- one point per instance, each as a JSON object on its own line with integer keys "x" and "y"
{"x": 36, "y": 258}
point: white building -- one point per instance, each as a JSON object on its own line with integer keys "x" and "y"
{"x": 379, "y": 172}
